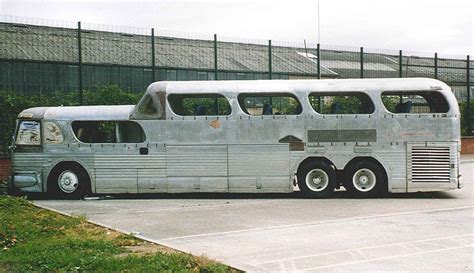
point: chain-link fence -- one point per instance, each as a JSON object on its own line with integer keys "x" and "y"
{"x": 42, "y": 57}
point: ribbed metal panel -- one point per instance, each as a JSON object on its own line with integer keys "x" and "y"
{"x": 24, "y": 161}
{"x": 116, "y": 180}
{"x": 258, "y": 160}
{"x": 430, "y": 164}
{"x": 195, "y": 161}
{"x": 130, "y": 161}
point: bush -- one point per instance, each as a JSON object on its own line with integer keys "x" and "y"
{"x": 12, "y": 104}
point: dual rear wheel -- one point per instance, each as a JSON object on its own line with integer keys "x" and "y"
{"x": 363, "y": 179}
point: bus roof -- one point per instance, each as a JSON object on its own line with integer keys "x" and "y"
{"x": 343, "y": 85}
{"x": 101, "y": 112}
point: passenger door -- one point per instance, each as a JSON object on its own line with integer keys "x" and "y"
{"x": 152, "y": 168}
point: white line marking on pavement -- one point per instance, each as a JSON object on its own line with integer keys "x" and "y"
{"x": 318, "y": 222}
{"x": 368, "y": 247}
{"x": 387, "y": 258}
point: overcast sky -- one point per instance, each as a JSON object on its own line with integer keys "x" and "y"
{"x": 444, "y": 26}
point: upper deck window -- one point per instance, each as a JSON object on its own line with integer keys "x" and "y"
{"x": 199, "y": 104}
{"x": 147, "y": 106}
{"x": 341, "y": 103}
{"x": 151, "y": 106}
{"x": 257, "y": 104}
{"x": 415, "y": 102}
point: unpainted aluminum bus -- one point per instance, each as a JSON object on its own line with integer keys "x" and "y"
{"x": 368, "y": 135}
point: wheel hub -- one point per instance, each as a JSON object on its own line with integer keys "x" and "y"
{"x": 317, "y": 180}
{"x": 68, "y": 181}
{"x": 363, "y": 180}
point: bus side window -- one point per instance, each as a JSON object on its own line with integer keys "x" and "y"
{"x": 129, "y": 132}
{"x": 258, "y": 104}
{"x": 199, "y": 104}
{"x": 108, "y": 131}
{"x": 341, "y": 103}
{"x": 415, "y": 102}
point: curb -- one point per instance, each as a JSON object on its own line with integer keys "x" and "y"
{"x": 126, "y": 232}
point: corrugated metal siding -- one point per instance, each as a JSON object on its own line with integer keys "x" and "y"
{"x": 116, "y": 180}
{"x": 195, "y": 161}
{"x": 130, "y": 161}
{"x": 27, "y": 161}
{"x": 259, "y": 160}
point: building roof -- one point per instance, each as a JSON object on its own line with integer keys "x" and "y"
{"x": 40, "y": 43}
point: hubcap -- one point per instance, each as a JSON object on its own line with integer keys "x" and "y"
{"x": 68, "y": 181}
{"x": 317, "y": 180}
{"x": 364, "y": 180}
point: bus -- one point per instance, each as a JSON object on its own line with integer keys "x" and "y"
{"x": 369, "y": 136}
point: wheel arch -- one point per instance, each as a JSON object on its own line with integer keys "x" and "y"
{"x": 64, "y": 163}
{"x": 312, "y": 158}
{"x": 371, "y": 159}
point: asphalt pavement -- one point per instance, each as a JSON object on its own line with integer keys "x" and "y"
{"x": 416, "y": 232}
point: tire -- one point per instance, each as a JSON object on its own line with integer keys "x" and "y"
{"x": 69, "y": 182}
{"x": 365, "y": 179}
{"x": 317, "y": 179}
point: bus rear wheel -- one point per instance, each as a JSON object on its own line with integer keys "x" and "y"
{"x": 317, "y": 179}
{"x": 365, "y": 179}
{"x": 69, "y": 181}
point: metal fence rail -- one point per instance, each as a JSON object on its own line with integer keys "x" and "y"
{"x": 41, "y": 57}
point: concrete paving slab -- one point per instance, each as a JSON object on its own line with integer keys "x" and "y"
{"x": 282, "y": 232}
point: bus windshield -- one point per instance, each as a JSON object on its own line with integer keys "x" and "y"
{"x": 29, "y": 133}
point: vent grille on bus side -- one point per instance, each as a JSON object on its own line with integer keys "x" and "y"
{"x": 430, "y": 164}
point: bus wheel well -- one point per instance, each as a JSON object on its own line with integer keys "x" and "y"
{"x": 310, "y": 159}
{"x": 63, "y": 165}
{"x": 368, "y": 158}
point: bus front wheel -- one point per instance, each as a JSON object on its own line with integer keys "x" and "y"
{"x": 69, "y": 181}
{"x": 317, "y": 179}
{"x": 364, "y": 179}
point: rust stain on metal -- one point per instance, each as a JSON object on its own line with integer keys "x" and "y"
{"x": 215, "y": 124}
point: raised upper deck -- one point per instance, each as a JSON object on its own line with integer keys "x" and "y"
{"x": 153, "y": 103}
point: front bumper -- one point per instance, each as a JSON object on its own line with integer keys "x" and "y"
{"x": 25, "y": 182}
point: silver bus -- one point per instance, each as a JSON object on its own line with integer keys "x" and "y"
{"x": 369, "y": 136}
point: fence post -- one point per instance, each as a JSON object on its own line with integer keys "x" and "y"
{"x": 362, "y": 62}
{"x": 270, "y": 59}
{"x": 318, "y": 57}
{"x": 400, "y": 64}
{"x": 79, "y": 46}
{"x": 436, "y": 65}
{"x": 215, "y": 57}
{"x": 468, "y": 109}
{"x": 153, "y": 65}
